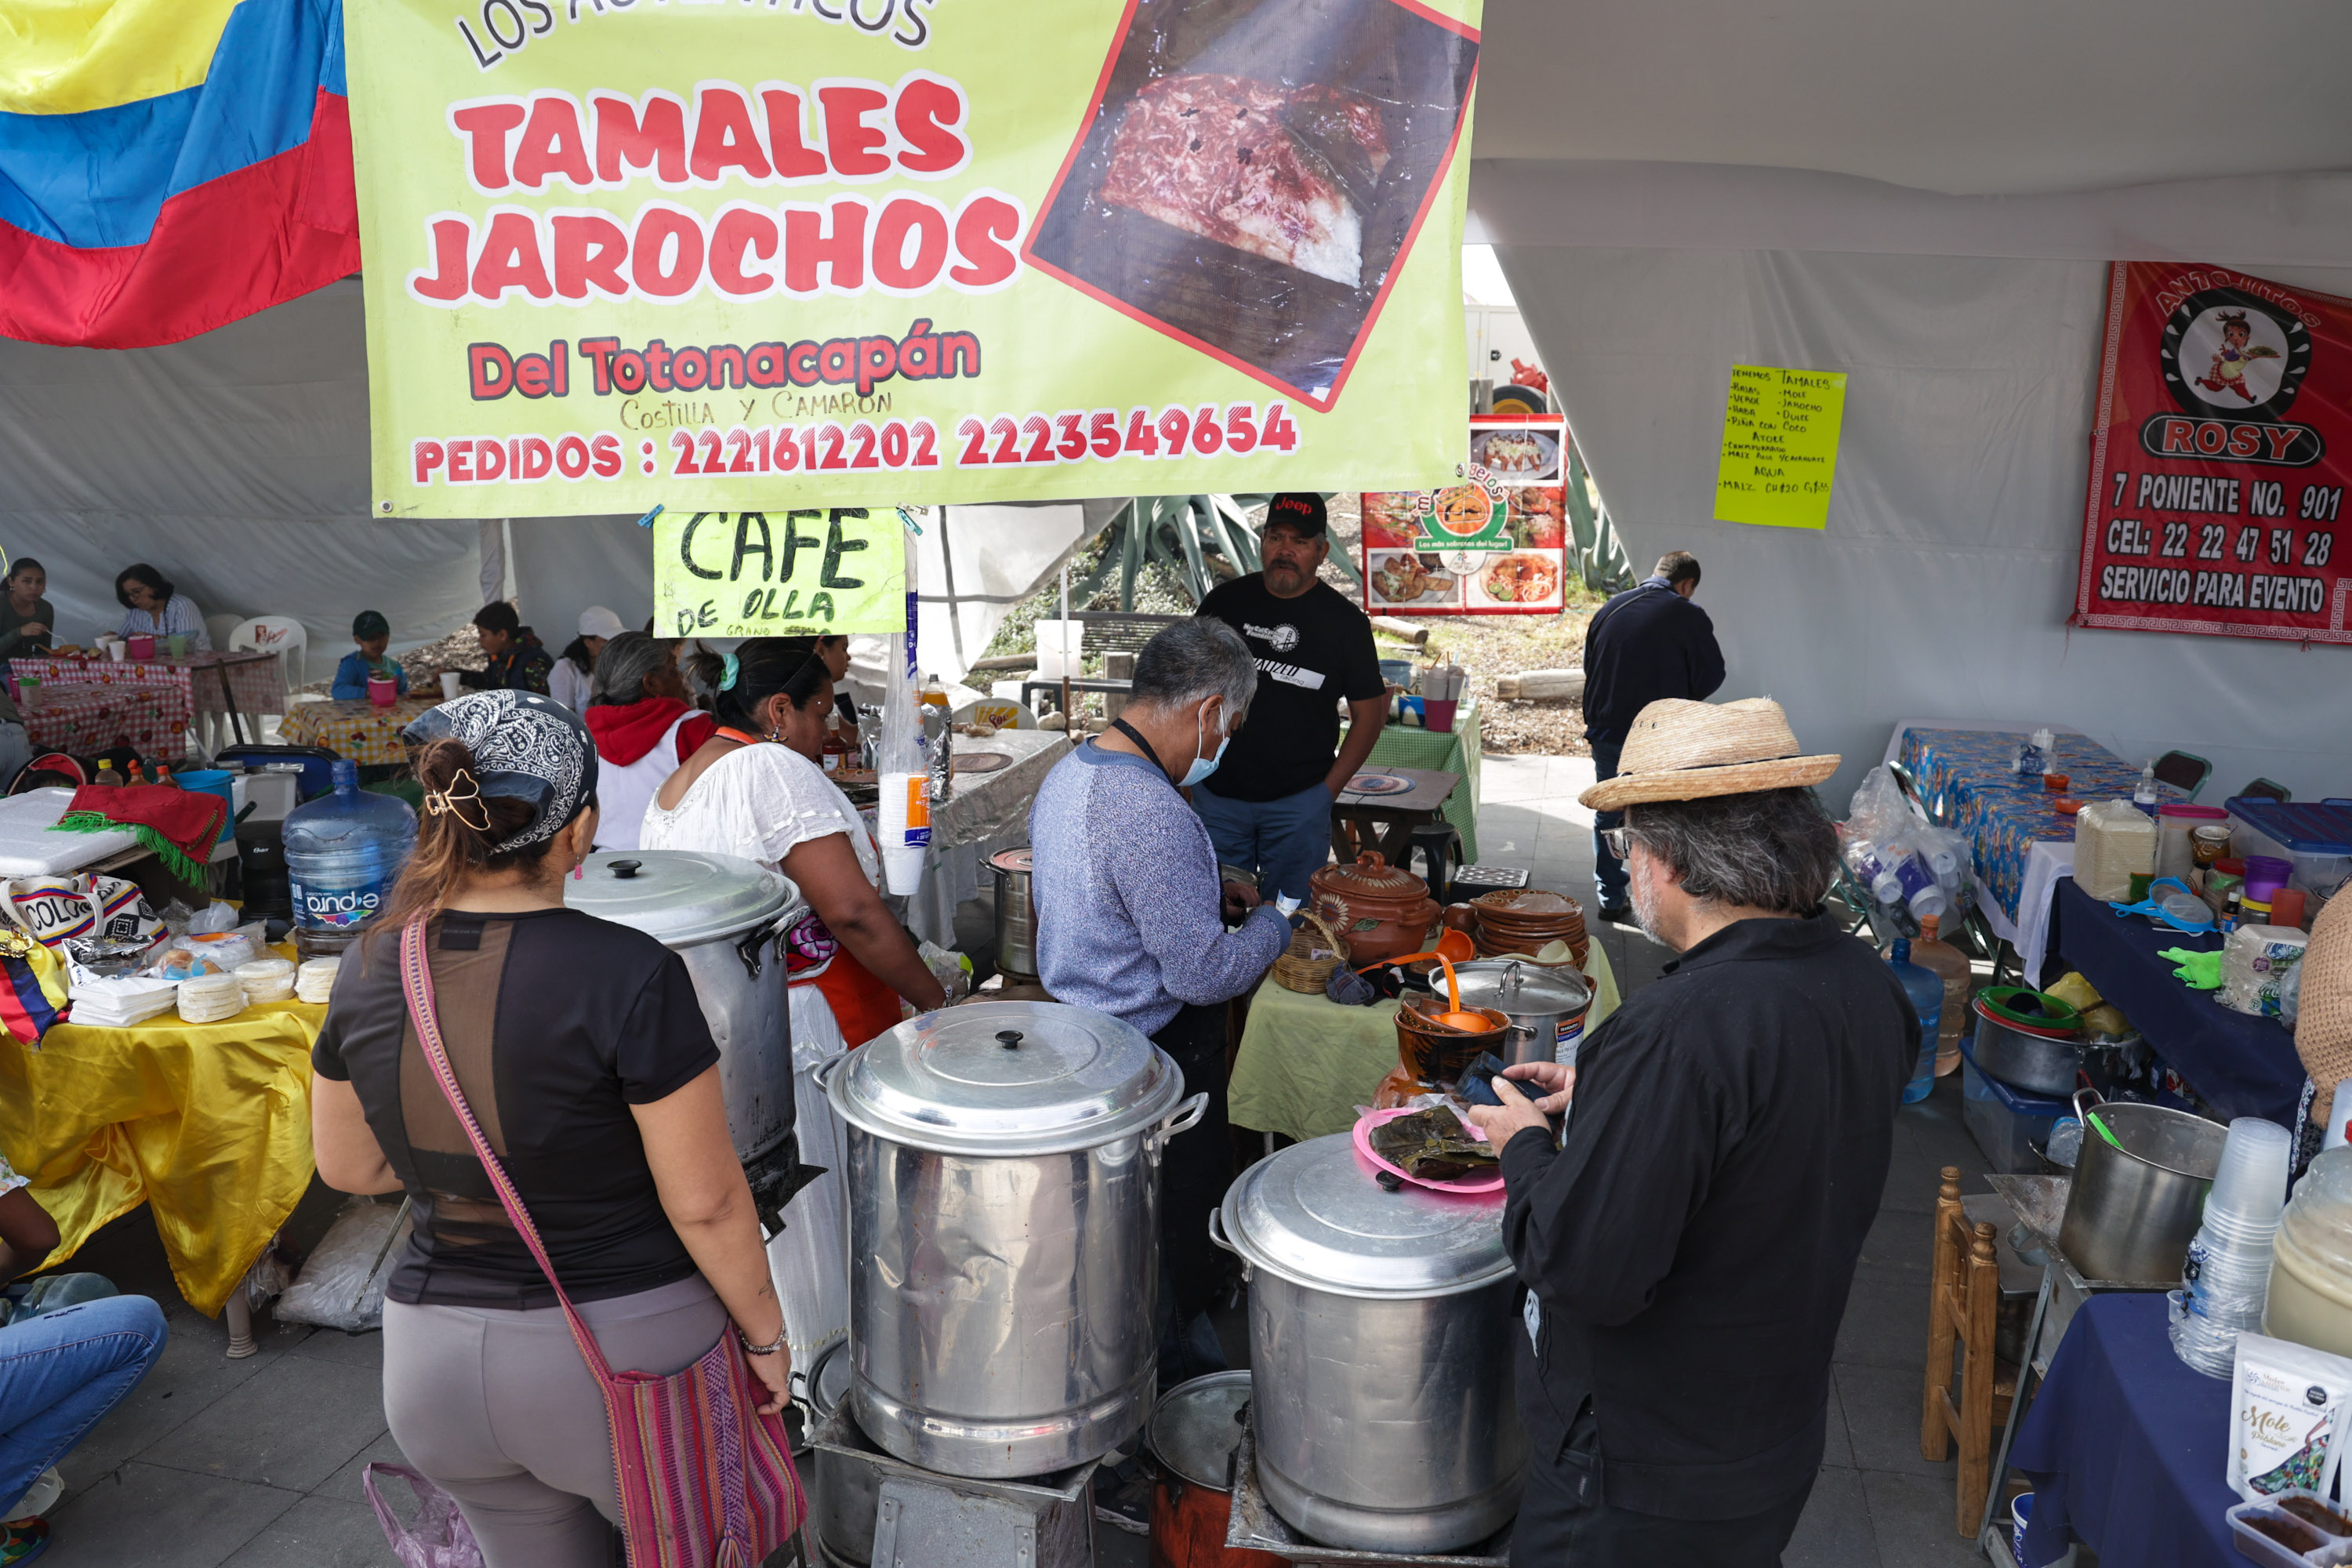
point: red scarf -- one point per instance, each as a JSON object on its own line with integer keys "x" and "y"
{"x": 181, "y": 826}
{"x": 627, "y": 731}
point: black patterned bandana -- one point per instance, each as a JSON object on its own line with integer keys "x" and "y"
{"x": 526, "y": 747}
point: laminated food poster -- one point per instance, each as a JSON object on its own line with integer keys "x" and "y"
{"x": 2219, "y": 457}
{"x": 780, "y": 253}
{"x": 1495, "y": 543}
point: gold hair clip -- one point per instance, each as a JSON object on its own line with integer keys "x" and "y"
{"x": 438, "y": 801}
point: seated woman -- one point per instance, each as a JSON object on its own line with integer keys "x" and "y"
{"x": 578, "y": 1044}
{"x": 152, "y": 607}
{"x": 28, "y": 623}
{"x": 374, "y": 634}
{"x": 756, "y": 789}
{"x": 572, "y": 680}
{"x": 644, "y": 730}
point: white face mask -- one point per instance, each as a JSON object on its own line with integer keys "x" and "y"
{"x": 1204, "y": 766}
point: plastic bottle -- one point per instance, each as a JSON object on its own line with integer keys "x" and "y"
{"x": 2310, "y": 1299}
{"x": 1915, "y": 885}
{"x": 1951, "y": 966}
{"x": 343, "y": 851}
{"x": 933, "y": 694}
{"x": 2145, "y": 792}
{"x": 2033, "y": 754}
{"x": 106, "y": 777}
{"x": 1926, "y": 989}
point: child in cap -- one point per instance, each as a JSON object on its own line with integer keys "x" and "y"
{"x": 374, "y": 634}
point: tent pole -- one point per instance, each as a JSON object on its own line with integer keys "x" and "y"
{"x": 1066, "y": 644}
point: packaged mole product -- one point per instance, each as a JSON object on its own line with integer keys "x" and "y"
{"x": 2287, "y": 1406}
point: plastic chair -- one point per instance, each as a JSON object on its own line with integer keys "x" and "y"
{"x": 280, "y": 635}
{"x": 2269, "y": 789}
{"x": 222, "y": 628}
{"x": 2185, "y": 771}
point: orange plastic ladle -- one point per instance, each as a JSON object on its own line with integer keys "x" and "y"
{"x": 1458, "y": 1019}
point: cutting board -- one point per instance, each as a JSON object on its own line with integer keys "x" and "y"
{"x": 28, "y": 846}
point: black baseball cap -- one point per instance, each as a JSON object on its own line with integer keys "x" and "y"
{"x": 1301, "y": 511}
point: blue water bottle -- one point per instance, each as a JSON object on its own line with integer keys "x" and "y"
{"x": 343, "y": 852}
{"x": 1926, "y": 989}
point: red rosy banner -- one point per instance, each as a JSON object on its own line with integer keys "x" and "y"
{"x": 2219, "y": 458}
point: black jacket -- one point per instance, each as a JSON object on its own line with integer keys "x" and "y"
{"x": 1691, "y": 1247}
{"x": 1645, "y": 644}
{"x": 524, "y": 667}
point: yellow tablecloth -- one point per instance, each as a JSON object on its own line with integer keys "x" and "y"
{"x": 359, "y": 731}
{"x": 208, "y": 1122}
{"x": 1306, "y": 1062}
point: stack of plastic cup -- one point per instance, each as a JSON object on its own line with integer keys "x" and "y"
{"x": 2227, "y": 1274}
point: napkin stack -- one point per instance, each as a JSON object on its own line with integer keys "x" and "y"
{"x": 120, "y": 1002}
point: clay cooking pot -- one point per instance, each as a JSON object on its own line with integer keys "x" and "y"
{"x": 1379, "y": 910}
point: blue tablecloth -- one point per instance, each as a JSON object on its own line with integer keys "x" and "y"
{"x": 2127, "y": 1445}
{"x": 2244, "y": 1066}
{"x": 1965, "y": 781}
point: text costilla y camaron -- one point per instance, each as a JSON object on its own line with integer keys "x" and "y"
{"x": 499, "y": 28}
{"x": 861, "y": 131}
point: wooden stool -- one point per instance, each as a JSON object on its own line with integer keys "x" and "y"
{"x": 1963, "y": 1303}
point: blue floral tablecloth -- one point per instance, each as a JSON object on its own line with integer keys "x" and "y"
{"x": 1966, "y": 782}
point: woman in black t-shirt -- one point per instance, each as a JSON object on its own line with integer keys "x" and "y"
{"x": 582, "y": 1051}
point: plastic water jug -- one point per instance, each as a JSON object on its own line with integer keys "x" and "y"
{"x": 1926, "y": 989}
{"x": 343, "y": 852}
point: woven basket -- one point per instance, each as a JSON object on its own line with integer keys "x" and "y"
{"x": 1309, "y": 962}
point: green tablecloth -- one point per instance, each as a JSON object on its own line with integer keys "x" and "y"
{"x": 1306, "y": 1062}
{"x": 1455, "y": 753}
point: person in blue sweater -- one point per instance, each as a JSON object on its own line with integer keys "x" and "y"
{"x": 374, "y": 634}
{"x": 1649, "y": 642}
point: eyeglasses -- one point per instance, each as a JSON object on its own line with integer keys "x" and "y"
{"x": 1617, "y": 840}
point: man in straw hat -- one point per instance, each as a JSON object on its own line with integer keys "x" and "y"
{"x": 1688, "y": 1248}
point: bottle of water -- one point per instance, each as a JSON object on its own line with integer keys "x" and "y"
{"x": 2144, "y": 794}
{"x": 343, "y": 851}
{"x": 1926, "y": 989}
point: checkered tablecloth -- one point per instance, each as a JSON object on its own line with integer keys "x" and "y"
{"x": 1965, "y": 780}
{"x": 359, "y": 731}
{"x": 256, "y": 679}
{"x": 1457, "y": 753}
{"x": 85, "y": 721}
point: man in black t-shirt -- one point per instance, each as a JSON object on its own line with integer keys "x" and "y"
{"x": 1268, "y": 809}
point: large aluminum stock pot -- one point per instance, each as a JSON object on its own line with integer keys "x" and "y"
{"x": 1004, "y": 1179}
{"x": 1380, "y": 1329}
{"x": 723, "y": 915}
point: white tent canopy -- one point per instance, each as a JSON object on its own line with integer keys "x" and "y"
{"x": 1923, "y": 196}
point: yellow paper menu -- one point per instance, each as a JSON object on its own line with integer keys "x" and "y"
{"x": 1779, "y": 445}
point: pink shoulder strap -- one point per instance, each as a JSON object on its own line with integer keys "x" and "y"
{"x": 416, "y": 986}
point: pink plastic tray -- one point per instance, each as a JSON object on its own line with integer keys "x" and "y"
{"x": 1458, "y": 1184}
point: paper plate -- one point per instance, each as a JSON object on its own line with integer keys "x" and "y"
{"x": 1459, "y": 1186}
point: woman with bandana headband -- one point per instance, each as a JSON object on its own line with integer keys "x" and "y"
{"x": 580, "y": 1047}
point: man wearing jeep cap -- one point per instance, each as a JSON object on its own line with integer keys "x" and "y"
{"x": 1268, "y": 804}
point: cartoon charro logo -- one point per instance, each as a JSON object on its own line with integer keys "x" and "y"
{"x": 2233, "y": 363}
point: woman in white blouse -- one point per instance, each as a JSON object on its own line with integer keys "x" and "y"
{"x": 151, "y": 608}
{"x": 755, "y": 790}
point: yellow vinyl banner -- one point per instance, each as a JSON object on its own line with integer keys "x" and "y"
{"x": 838, "y": 254}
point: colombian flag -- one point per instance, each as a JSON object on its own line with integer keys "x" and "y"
{"x": 168, "y": 166}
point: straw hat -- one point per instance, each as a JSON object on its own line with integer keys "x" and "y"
{"x": 1689, "y": 751}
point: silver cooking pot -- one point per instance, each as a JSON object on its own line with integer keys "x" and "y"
{"x": 1381, "y": 1350}
{"x": 724, "y": 917}
{"x": 1004, "y": 1179}
{"x": 1546, "y": 1006}
{"x": 2135, "y": 1203}
{"x": 843, "y": 1494}
{"x": 1017, "y": 913}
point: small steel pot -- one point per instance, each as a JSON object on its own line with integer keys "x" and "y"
{"x": 1017, "y": 913}
{"x": 2041, "y": 1061}
{"x": 2132, "y": 1209}
{"x": 843, "y": 1494}
{"x": 1546, "y": 1006}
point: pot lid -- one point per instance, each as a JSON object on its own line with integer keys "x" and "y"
{"x": 678, "y": 896}
{"x": 1370, "y": 876}
{"x": 1317, "y": 1215}
{"x": 1006, "y": 1077}
{"x": 1521, "y": 988}
{"x": 1195, "y": 1428}
{"x": 1011, "y": 859}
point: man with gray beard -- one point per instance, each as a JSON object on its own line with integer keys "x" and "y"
{"x": 1688, "y": 1247}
